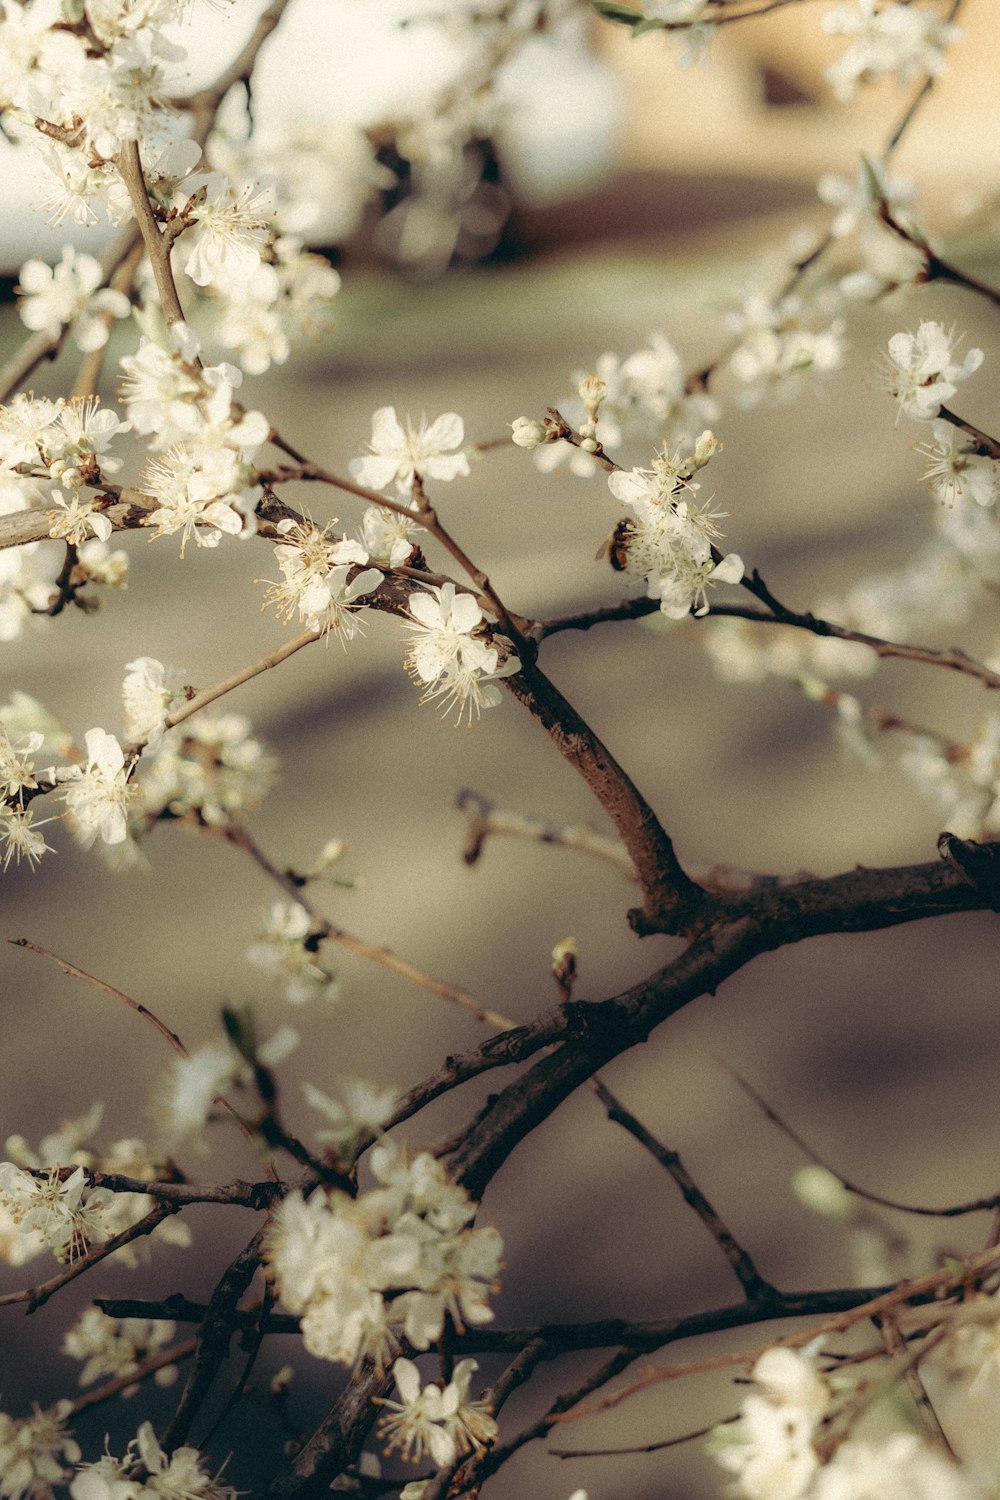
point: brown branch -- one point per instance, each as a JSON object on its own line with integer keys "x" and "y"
{"x": 157, "y": 245}
{"x": 214, "y": 1335}
{"x": 743, "y": 1268}
{"x": 672, "y": 899}
{"x": 675, "y": 1442}
{"x": 743, "y": 927}
{"x": 256, "y": 1195}
{"x": 982, "y": 444}
{"x": 292, "y": 885}
{"x": 485, "y": 820}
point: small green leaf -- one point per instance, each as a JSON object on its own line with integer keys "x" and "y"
{"x": 647, "y": 24}
{"x": 611, "y": 10}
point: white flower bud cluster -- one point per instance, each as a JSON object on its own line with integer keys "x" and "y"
{"x": 643, "y": 396}
{"x": 391, "y": 1263}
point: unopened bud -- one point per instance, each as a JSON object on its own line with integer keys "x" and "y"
{"x": 593, "y": 391}
{"x": 527, "y": 433}
{"x": 564, "y": 957}
{"x": 282, "y": 1380}
{"x": 705, "y": 448}
{"x": 588, "y": 444}
{"x": 825, "y": 1194}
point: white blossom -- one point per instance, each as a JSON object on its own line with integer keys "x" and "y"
{"x": 282, "y": 950}
{"x": 69, "y": 295}
{"x": 33, "y": 1452}
{"x": 955, "y": 472}
{"x": 920, "y": 371}
{"x": 147, "y": 1470}
{"x": 444, "y": 652}
{"x": 887, "y": 38}
{"x": 362, "y": 1110}
{"x": 97, "y": 794}
{"x": 149, "y": 691}
{"x": 231, "y": 230}
{"x": 399, "y": 456}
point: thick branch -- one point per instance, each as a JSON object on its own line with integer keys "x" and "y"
{"x": 672, "y": 897}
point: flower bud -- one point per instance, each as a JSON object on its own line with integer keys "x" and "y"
{"x": 593, "y": 391}
{"x": 705, "y": 448}
{"x": 527, "y": 433}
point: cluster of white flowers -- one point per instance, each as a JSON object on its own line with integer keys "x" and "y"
{"x": 281, "y": 300}
{"x": 645, "y": 398}
{"x": 393, "y": 1262}
{"x": 667, "y": 541}
{"x": 283, "y": 949}
{"x": 147, "y": 1470}
{"x": 887, "y": 39}
{"x": 921, "y": 372}
{"x": 211, "y": 766}
{"x": 116, "y": 1346}
{"x": 776, "y": 1453}
{"x": 18, "y": 828}
{"x": 435, "y": 1419}
{"x": 883, "y": 260}
{"x": 70, "y": 295}
{"x": 316, "y": 580}
{"x": 445, "y": 653}
{"x": 774, "y": 345}
{"x": 60, "y": 1212}
{"x": 45, "y": 1202}
{"x": 65, "y": 442}
{"x": 203, "y": 480}
{"x": 34, "y": 1451}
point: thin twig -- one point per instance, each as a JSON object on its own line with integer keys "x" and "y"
{"x": 171, "y": 1037}
{"x": 740, "y": 1261}
{"x": 949, "y": 1211}
{"x": 36, "y": 1296}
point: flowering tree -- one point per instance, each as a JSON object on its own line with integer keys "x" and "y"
{"x": 370, "y": 1249}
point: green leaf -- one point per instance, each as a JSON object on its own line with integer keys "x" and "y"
{"x": 647, "y": 24}
{"x": 611, "y": 10}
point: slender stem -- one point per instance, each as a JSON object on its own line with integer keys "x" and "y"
{"x": 746, "y": 1273}
{"x": 292, "y": 885}
{"x": 264, "y": 664}
{"x": 129, "y": 165}
{"x": 171, "y": 1037}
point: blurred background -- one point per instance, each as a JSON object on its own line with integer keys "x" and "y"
{"x": 618, "y": 196}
